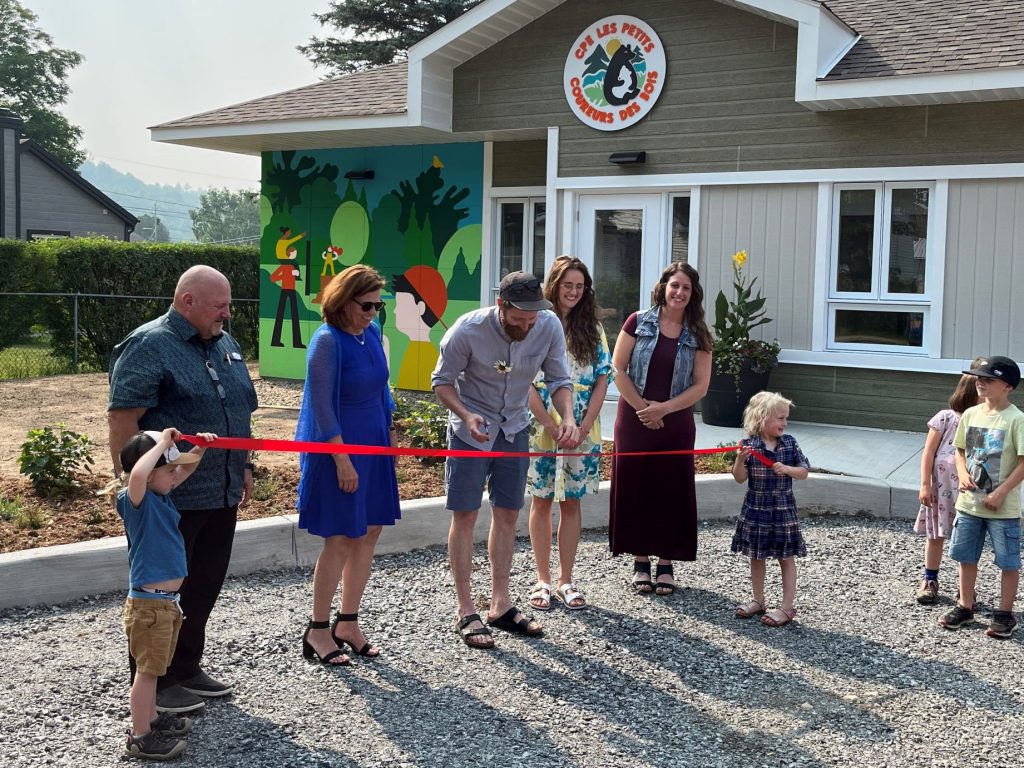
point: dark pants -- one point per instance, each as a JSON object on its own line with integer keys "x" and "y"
{"x": 288, "y": 298}
{"x": 208, "y": 535}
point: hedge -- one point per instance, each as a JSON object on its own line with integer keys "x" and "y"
{"x": 112, "y": 268}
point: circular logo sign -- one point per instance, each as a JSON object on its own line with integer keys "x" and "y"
{"x": 614, "y": 73}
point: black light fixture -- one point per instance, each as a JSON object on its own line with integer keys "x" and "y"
{"x": 364, "y": 175}
{"x": 627, "y": 158}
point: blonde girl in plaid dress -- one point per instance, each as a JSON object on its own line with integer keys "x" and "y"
{"x": 769, "y": 525}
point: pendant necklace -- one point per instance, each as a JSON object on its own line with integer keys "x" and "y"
{"x": 361, "y": 338}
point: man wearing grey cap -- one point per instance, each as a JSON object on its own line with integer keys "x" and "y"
{"x": 489, "y": 358}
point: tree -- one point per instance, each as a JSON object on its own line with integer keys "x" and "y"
{"x": 33, "y": 81}
{"x": 372, "y": 33}
{"x": 225, "y": 216}
{"x": 151, "y": 229}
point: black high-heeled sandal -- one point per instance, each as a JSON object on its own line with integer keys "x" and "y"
{"x": 665, "y": 589}
{"x": 309, "y": 652}
{"x": 365, "y": 650}
{"x": 643, "y": 586}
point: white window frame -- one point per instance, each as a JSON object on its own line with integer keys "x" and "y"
{"x": 879, "y": 299}
{"x": 529, "y": 203}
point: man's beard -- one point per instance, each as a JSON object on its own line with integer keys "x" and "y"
{"x": 513, "y": 332}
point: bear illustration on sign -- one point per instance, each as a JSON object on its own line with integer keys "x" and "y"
{"x": 621, "y": 83}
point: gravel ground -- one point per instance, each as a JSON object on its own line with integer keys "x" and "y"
{"x": 864, "y": 676}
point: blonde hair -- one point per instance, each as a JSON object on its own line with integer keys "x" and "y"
{"x": 762, "y": 407}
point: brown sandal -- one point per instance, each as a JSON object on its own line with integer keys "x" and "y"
{"x": 749, "y": 610}
{"x": 481, "y": 631}
{"x": 778, "y": 617}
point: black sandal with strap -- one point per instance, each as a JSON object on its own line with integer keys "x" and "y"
{"x": 660, "y": 588}
{"x": 365, "y": 650}
{"x": 481, "y": 631}
{"x": 310, "y": 653}
{"x": 643, "y": 586}
{"x": 507, "y": 621}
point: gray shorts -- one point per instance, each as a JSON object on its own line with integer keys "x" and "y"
{"x": 464, "y": 479}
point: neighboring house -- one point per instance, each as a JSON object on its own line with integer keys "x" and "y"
{"x": 42, "y": 197}
{"x": 869, "y": 158}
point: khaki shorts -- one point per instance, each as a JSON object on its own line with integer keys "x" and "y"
{"x": 152, "y": 627}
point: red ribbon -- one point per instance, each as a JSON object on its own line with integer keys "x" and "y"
{"x": 295, "y": 446}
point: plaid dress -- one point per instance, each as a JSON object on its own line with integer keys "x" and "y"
{"x": 769, "y": 526}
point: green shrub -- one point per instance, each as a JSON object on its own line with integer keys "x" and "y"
{"x": 51, "y": 460}
{"x": 265, "y": 485}
{"x": 427, "y": 426}
{"x": 403, "y": 407}
{"x": 30, "y": 517}
{"x": 10, "y": 509}
{"x": 24, "y": 271}
{"x": 721, "y": 462}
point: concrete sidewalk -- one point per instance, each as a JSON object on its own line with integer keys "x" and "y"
{"x": 871, "y": 453}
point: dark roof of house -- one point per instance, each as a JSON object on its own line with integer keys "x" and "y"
{"x": 380, "y": 91}
{"x": 918, "y": 37}
{"x": 63, "y": 169}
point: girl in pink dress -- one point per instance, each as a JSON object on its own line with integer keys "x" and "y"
{"x": 939, "y": 483}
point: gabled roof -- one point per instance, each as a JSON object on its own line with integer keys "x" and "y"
{"x": 916, "y": 37}
{"x": 63, "y": 169}
{"x": 851, "y": 54}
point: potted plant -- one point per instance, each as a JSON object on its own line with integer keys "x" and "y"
{"x": 740, "y": 365}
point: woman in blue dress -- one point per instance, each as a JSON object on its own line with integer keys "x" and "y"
{"x": 345, "y": 499}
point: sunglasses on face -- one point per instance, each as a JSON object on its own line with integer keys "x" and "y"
{"x": 366, "y": 306}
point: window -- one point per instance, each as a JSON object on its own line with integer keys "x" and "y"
{"x": 520, "y": 234}
{"x": 879, "y": 293}
{"x": 681, "y": 228}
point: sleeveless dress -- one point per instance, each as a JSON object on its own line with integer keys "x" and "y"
{"x": 346, "y": 393}
{"x": 653, "y": 507}
{"x": 937, "y": 522}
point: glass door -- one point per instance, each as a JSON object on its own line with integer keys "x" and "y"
{"x": 619, "y": 238}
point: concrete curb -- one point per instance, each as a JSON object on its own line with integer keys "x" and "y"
{"x": 50, "y": 575}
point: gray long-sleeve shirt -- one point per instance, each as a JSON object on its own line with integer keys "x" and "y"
{"x": 492, "y": 374}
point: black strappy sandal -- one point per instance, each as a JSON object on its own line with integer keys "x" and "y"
{"x": 309, "y": 652}
{"x": 462, "y": 627}
{"x": 643, "y": 586}
{"x": 661, "y": 589}
{"x": 365, "y": 650}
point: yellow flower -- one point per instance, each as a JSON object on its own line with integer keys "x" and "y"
{"x": 740, "y": 259}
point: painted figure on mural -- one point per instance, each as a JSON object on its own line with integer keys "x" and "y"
{"x": 284, "y": 249}
{"x": 286, "y": 275}
{"x": 330, "y": 256}
{"x": 421, "y": 297}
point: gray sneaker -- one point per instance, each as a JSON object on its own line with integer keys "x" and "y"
{"x": 957, "y": 617}
{"x": 928, "y": 592}
{"x": 153, "y": 746}
{"x": 205, "y": 686}
{"x": 169, "y": 724}
{"x": 176, "y": 699}
{"x": 1003, "y": 624}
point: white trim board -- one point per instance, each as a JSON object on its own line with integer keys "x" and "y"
{"x": 882, "y": 361}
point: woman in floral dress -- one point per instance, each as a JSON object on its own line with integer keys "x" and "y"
{"x": 560, "y": 478}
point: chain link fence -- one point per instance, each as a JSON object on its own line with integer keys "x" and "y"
{"x": 47, "y": 334}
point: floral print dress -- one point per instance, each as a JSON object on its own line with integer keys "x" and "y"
{"x": 937, "y": 522}
{"x": 560, "y": 477}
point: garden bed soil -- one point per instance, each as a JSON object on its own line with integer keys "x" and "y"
{"x": 79, "y": 402}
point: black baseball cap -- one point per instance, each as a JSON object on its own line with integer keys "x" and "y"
{"x": 997, "y": 367}
{"x": 523, "y": 291}
{"x": 142, "y": 443}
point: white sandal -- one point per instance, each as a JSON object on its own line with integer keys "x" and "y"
{"x": 541, "y": 592}
{"x": 567, "y": 594}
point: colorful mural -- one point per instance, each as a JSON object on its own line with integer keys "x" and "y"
{"x": 417, "y": 222}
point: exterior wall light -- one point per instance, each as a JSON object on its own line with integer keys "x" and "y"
{"x": 627, "y": 158}
{"x": 365, "y": 175}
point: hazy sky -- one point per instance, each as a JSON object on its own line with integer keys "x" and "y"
{"x": 150, "y": 61}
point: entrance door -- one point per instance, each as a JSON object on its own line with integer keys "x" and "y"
{"x": 619, "y": 238}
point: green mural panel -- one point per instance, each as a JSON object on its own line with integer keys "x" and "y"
{"x": 417, "y": 222}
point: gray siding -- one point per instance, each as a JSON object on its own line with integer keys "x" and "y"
{"x": 984, "y": 275}
{"x": 728, "y": 101}
{"x": 776, "y": 225}
{"x": 9, "y": 191}
{"x": 520, "y": 164}
{"x": 43, "y": 191}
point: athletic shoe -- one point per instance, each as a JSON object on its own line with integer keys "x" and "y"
{"x": 176, "y": 699}
{"x": 928, "y": 592}
{"x": 957, "y": 617}
{"x": 168, "y": 724}
{"x": 1003, "y": 624}
{"x": 153, "y": 746}
{"x": 205, "y": 686}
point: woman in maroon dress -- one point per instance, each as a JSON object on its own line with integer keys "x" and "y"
{"x": 666, "y": 353}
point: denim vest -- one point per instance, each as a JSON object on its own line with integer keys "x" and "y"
{"x": 647, "y": 330}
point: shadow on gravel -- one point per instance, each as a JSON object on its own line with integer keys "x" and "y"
{"x": 852, "y": 656}
{"x": 450, "y": 725}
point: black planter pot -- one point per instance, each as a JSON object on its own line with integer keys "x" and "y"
{"x": 723, "y": 405}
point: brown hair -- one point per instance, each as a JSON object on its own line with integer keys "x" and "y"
{"x": 966, "y": 394}
{"x": 581, "y": 334}
{"x": 350, "y": 282}
{"x": 694, "y": 313}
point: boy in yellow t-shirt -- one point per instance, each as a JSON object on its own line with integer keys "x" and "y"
{"x": 990, "y": 445}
